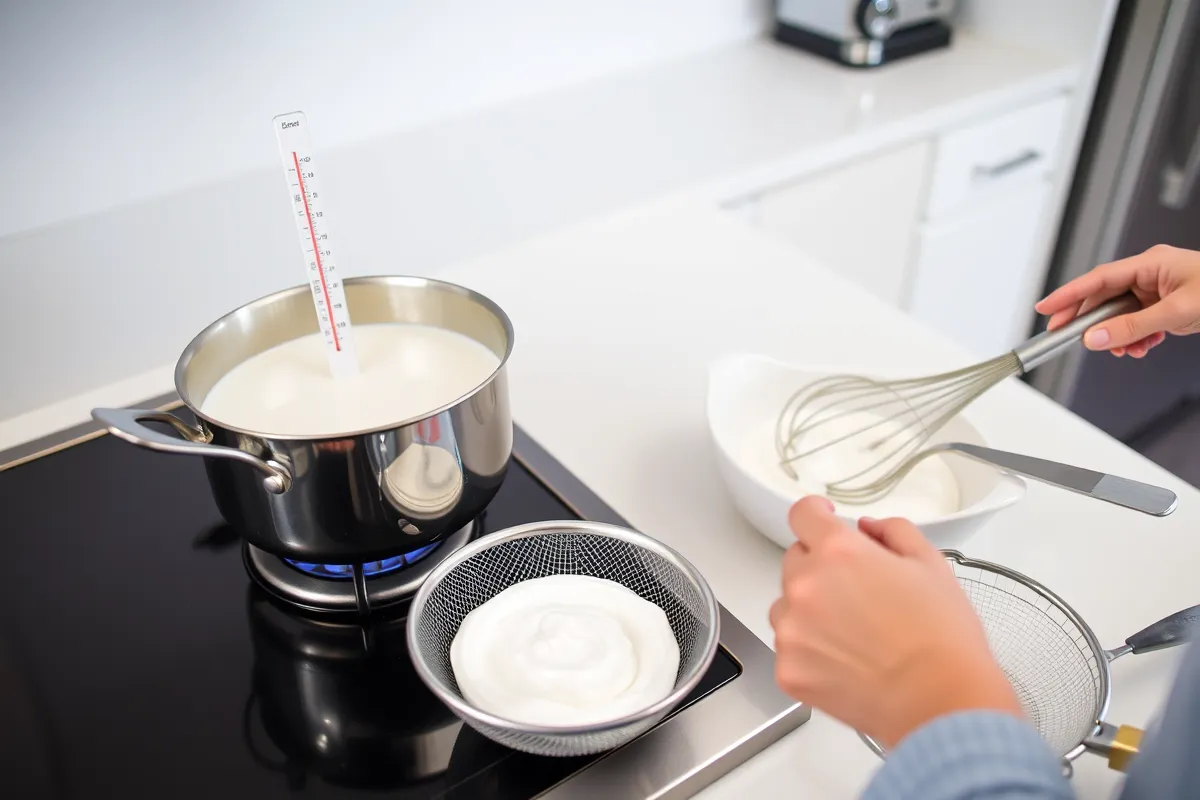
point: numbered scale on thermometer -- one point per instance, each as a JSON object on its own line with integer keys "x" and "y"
{"x": 312, "y": 223}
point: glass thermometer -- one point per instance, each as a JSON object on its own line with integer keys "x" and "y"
{"x": 312, "y": 223}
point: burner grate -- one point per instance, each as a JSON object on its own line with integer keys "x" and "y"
{"x": 335, "y": 587}
{"x": 371, "y": 569}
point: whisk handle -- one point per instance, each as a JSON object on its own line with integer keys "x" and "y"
{"x": 1045, "y": 346}
{"x": 1167, "y": 632}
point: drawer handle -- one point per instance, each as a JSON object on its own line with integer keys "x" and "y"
{"x": 1005, "y": 167}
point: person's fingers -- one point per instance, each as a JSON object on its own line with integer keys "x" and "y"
{"x": 1143, "y": 346}
{"x": 1128, "y": 329}
{"x": 794, "y": 562}
{"x": 870, "y": 526}
{"x": 900, "y": 536}
{"x": 1062, "y": 317}
{"x": 1101, "y": 283}
{"x": 1106, "y": 278}
{"x": 812, "y": 521}
{"x": 775, "y": 615}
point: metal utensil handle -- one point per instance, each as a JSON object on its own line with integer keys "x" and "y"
{"x": 1144, "y": 497}
{"x": 1121, "y": 743}
{"x": 126, "y": 423}
{"x": 1118, "y": 744}
{"x": 1047, "y": 345}
{"x": 1167, "y": 632}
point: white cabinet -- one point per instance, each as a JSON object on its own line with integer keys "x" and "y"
{"x": 976, "y": 274}
{"x": 858, "y": 219}
{"x": 988, "y": 158}
{"x": 980, "y": 257}
{"x": 950, "y": 228}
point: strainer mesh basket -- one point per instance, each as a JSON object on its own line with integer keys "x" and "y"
{"x": 1045, "y": 655}
{"x": 484, "y": 574}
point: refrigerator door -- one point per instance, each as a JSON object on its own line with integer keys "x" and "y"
{"x": 1137, "y": 187}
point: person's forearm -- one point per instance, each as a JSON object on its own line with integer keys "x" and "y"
{"x": 975, "y": 755}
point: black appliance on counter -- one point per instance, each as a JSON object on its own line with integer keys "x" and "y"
{"x": 864, "y": 33}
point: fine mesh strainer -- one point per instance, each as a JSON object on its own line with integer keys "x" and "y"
{"x": 1054, "y": 661}
{"x": 484, "y": 568}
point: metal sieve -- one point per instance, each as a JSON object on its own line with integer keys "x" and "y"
{"x": 1055, "y": 662}
{"x": 481, "y": 570}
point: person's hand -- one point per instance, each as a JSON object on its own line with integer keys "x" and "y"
{"x": 1166, "y": 280}
{"x": 873, "y": 628}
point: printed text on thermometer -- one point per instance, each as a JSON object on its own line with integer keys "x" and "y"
{"x": 312, "y": 232}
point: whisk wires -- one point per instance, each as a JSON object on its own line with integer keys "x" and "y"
{"x": 904, "y": 413}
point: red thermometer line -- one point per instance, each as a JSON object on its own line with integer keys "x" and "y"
{"x": 312, "y": 223}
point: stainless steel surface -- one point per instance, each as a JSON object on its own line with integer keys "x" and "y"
{"x": 1114, "y": 207}
{"x": 903, "y": 414}
{"x": 880, "y": 18}
{"x": 1051, "y": 344}
{"x": 1131, "y": 494}
{"x": 862, "y": 52}
{"x": 344, "y": 498}
{"x": 322, "y": 594}
{"x": 1144, "y": 497}
{"x": 127, "y": 424}
{"x": 1179, "y": 180}
{"x": 682, "y": 755}
{"x": 475, "y": 574}
{"x": 840, "y": 19}
{"x": 1001, "y": 169}
{"x": 1053, "y": 660}
{"x": 863, "y": 33}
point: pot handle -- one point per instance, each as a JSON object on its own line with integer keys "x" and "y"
{"x": 126, "y": 423}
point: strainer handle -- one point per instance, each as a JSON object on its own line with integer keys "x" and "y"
{"x": 1118, "y": 744}
{"x": 1167, "y": 632}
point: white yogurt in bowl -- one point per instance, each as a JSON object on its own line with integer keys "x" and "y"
{"x": 565, "y": 650}
{"x": 929, "y": 491}
{"x": 948, "y": 497}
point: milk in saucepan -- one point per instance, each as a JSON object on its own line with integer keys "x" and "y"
{"x": 405, "y": 371}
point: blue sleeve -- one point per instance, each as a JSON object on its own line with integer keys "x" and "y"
{"x": 1166, "y": 766}
{"x": 972, "y": 755}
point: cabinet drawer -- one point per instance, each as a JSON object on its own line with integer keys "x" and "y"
{"x": 977, "y": 275}
{"x": 1014, "y": 148}
{"x": 858, "y": 219}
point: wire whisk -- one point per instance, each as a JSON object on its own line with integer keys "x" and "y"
{"x": 880, "y": 427}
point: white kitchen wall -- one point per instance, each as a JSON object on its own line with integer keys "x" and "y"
{"x": 108, "y": 103}
{"x": 140, "y": 192}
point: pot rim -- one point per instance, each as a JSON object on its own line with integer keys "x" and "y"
{"x": 387, "y": 280}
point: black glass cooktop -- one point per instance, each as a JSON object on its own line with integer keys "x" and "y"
{"x": 138, "y": 658}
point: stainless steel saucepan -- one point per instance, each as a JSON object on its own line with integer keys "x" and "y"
{"x": 345, "y": 498}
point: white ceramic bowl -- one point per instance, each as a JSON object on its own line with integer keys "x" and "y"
{"x": 746, "y": 394}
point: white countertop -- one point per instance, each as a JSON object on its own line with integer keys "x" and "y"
{"x": 616, "y": 321}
